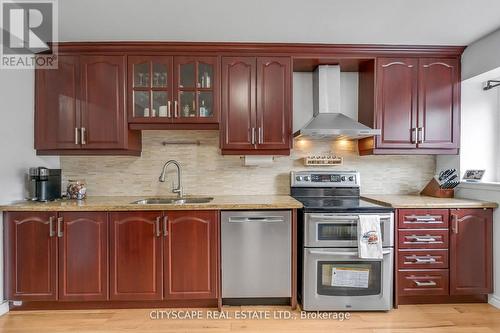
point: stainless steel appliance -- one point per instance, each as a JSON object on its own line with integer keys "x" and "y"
{"x": 44, "y": 184}
{"x": 256, "y": 257}
{"x": 333, "y": 277}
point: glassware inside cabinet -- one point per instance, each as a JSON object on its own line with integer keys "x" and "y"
{"x": 187, "y": 75}
{"x": 141, "y": 75}
{"x": 141, "y": 104}
{"x": 205, "y": 75}
{"x": 188, "y": 104}
{"x": 160, "y": 75}
{"x": 205, "y": 104}
{"x": 160, "y": 99}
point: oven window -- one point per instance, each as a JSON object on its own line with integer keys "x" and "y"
{"x": 344, "y": 278}
{"x": 338, "y": 231}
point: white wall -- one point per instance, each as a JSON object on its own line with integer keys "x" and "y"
{"x": 16, "y": 140}
{"x": 481, "y": 56}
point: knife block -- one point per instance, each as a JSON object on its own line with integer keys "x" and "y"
{"x": 433, "y": 190}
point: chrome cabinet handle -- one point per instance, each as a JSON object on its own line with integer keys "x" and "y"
{"x": 176, "y": 110}
{"x": 253, "y": 135}
{"x": 59, "y": 227}
{"x": 414, "y": 135}
{"x": 261, "y": 139}
{"x": 157, "y": 227}
{"x": 83, "y": 136}
{"x": 425, "y": 283}
{"x": 165, "y": 230}
{"x": 169, "y": 114}
{"x": 423, "y": 260}
{"x": 421, "y": 135}
{"x": 426, "y": 239}
{"x": 77, "y": 135}
{"x": 52, "y": 232}
{"x": 454, "y": 227}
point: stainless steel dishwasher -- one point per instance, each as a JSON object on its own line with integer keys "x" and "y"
{"x": 256, "y": 254}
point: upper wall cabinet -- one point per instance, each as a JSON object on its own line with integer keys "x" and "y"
{"x": 256, "y": 105}
{"x": 173, "y": 92}
{"x": 80, "y": 108}
{"x": 416, "y": 107}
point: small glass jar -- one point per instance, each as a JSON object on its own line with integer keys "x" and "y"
{"x": 77, "y": 189}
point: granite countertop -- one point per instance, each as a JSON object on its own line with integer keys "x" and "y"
{"x": 420, "y": 201}
{"x": 112, "y": 203}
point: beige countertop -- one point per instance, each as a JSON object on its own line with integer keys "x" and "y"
{"x": 111, "y": 203}
{"x": 419, "y": 201}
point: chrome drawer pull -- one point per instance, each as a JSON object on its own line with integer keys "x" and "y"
{"x": 423, "y": 239}
{"x": 423, "y": 260}
{"x": 425, "y": 283}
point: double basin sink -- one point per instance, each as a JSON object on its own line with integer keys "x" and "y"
{"x": 173, "y": 201}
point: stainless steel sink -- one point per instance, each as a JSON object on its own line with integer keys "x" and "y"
{"x": 173, "y": 201}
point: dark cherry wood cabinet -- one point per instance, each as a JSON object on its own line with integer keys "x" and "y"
{"x": 397, "y": 102}
{"x": 417, "y": 102}
{"x": 135, "y": 256}
{"x": 30, "y": 256}
{"x": 190, "y": 254}
{"x": 439, "y": 103}
{"x": 80, "y": 108}
{"x": 83, "y": 256}
{"x": 471, "y": 252}
{"x": 444, "y": 255}
{"x": 256, "y": 105}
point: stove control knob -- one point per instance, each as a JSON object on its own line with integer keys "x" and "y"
{"x": 298, "y": 178}
{"x": 306, "y": 178}
{"x": 343, "y": 178}
{"x": 351, "y": 178}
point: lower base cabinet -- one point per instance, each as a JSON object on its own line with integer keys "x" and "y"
{"x": 117, "y": 256}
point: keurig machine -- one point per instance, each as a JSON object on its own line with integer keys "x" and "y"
{"x": 44, "y": 184}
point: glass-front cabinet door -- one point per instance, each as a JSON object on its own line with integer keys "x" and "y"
{"x": 195, "y": 90}
{"x": 150, "y": 80}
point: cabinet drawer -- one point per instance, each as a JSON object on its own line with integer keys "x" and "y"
{"x": 423, "y": 282}
{"x": 423, "y": 218}
{"x": 423, "y": 239}
{"x": 422, "y": 259}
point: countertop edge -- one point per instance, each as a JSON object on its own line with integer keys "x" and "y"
{"x": 463, "y": 205}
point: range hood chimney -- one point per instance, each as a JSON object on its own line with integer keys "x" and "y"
{"x": 328, "y": 121}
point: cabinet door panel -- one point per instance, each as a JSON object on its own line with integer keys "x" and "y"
{"x": 273, "y": 103}
{"x": 238, "y": 103}
{"x": 57, "y": 105}
{"x": 103, "y": 104}
{"x": 191, "y": 255}
{"x": 471, "y": 252}
{"x": 438, "y": 103}
{"x": 83, "y": 256}
{"x": 396, "y": 112}
{"x": 135, "y": 256}
{"x": 31, "y": 256}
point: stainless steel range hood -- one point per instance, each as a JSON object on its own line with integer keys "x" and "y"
{"x": 328, "y": 121}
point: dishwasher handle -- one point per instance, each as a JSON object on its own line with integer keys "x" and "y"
{"x": 263, "y": 219}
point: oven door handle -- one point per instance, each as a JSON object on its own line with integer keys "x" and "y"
{"x": 350, "y": 253}
{"x": 335, "y": 217}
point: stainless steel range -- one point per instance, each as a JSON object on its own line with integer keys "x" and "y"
{"x": 332, "y": 276}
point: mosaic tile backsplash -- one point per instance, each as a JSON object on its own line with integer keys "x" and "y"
{"x": 207, "y": 172}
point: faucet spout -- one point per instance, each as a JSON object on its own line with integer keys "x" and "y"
{"x": 178, "y": 189}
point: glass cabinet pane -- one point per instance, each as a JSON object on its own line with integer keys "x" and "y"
{"x": 141, "y": 104}
{"x": 187, "y": 107}
{"x": 205, "y": 75}
{"x": 160, "y": 99}
{"x": 187, "y": 75}
{"x": 205, "y": 104}
{"x": 141, "y": 75}
{"x": 160, "y": 75}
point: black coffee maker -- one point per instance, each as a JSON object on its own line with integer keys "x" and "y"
{"x": 44, "y": 184}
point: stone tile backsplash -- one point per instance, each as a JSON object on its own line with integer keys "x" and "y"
{"x": 207, "y": 172}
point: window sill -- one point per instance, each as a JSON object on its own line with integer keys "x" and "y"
{"x": 486, "y": 186}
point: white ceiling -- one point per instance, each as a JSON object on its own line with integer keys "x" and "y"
{"x": 439, "y": 22}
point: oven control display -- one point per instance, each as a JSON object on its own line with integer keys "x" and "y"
{"x": 326, "y": 178}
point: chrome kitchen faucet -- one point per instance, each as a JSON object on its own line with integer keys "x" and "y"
{"x": 178, "y": 189}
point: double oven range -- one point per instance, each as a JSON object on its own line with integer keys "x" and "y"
{"x": 332, "y": 277}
